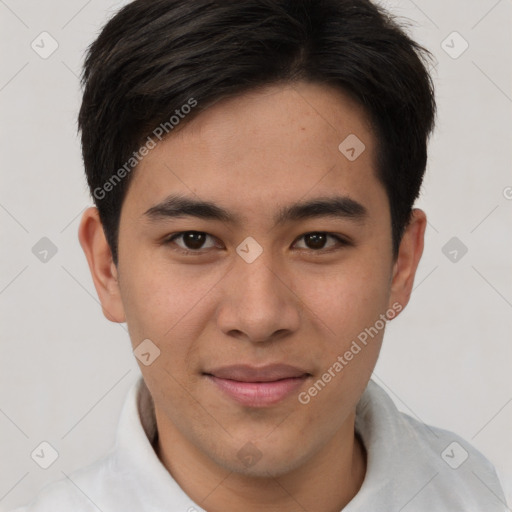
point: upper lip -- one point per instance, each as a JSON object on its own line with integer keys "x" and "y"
{"x": 267, "y": 373}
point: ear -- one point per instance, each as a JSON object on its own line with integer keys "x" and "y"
{"x": 409, "y": 255}
{"x": 103, "y": 271}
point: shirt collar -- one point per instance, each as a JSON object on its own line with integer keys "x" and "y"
{"x": 135, "y": 455}
{"x": 403, "y": 455}
{"x": 148, "y": 483}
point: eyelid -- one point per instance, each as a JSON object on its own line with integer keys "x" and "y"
{"x": 343, "y": 241}
{"x": 171, "y": 239}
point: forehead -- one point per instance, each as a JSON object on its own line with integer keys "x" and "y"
{"x": 274, "y": 145}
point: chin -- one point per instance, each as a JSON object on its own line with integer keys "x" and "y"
{"x": 251, "y": 462}
{"x": 263, "y": 470}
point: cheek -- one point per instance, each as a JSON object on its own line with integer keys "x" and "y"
{"x": 348, "y": 305}
{"x": 347, "y": 298}
{"x": 166, "y": 303}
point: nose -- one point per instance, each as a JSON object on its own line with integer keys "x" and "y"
{"x": 258, "y": 303}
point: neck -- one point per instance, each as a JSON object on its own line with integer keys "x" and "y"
{"x": 327, "y": 482}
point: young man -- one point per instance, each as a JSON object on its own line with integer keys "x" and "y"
{"x": 254, "y": 166}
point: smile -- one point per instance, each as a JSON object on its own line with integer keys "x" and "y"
{"x": 258, "y": 387}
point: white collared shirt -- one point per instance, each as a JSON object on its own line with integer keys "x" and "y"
{"x": 410, "y": 467}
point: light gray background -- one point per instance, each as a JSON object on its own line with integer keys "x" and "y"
{"x": 65, "y": 369}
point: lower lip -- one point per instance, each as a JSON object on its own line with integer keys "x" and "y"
{"x": 258, "y": 394}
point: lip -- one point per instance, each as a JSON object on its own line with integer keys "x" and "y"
{"x": 258, "y": 386}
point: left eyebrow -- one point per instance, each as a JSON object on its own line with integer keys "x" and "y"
{"x": 338, "y": 207}
{"x": 179, "y": 206}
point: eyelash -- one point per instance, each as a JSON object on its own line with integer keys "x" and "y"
{"x": 343, "y": 242}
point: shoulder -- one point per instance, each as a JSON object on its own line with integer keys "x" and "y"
{"x": 433, "y": 468}
{"x": 80, "y": 491}
{"x": 106, "y": 484}
{"x": 58, "y": 496}
{"x": 457, "y": 465}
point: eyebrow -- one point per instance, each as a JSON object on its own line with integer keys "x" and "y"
{"x": 338, "y": 207}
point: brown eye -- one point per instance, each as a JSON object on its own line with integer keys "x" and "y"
{"x": 316, "y": 241}
{"x": 191, "y": 240}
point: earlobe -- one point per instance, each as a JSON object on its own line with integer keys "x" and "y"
{"x": 409, "y": 255}
{"x": 103, "y": 271}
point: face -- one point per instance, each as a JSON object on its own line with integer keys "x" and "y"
{"x": 268, "y": 314}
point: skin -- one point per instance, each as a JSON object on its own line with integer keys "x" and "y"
{"x": 296, "y": 303}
